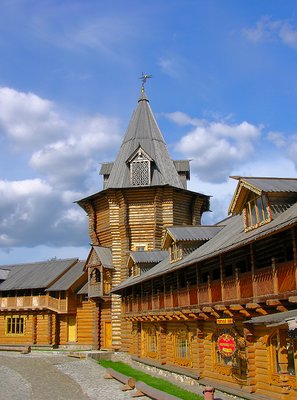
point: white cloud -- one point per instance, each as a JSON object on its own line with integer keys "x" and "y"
{"x": 286, "y": 143}
{"x": 28, "y": 119}
{"x": 67, "y": 162}
{"x": 215, "y": 148}
{"x": 267, "y": 30}
{"x": 273, "y": 166}
{"x": 40, "y": 211}
{"x": 169, "y": 66}
{"x": 34, "y": 214}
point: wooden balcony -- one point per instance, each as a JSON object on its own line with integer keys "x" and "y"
{"x": 271, "y": 282}
{"x": 21, "y": 303}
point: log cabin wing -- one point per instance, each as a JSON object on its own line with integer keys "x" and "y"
{"x": 40, "y": 304}
{"x": 226, "y": 313}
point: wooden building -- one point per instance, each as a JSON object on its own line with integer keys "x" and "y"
{"x": 144, "y": 192}
{"x": 217, "y": 302}
{"x": 221, "y": 306}
{"x": 45, "y": 304}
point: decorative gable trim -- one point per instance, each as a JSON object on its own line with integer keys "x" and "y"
{"x": 140, "y": 168}
{"x": 240, "y": 195}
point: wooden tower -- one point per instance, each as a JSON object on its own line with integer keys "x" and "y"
{"x": 144, "y": 191}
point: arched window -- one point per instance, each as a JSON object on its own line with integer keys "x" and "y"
{"x": 95, "y": 276}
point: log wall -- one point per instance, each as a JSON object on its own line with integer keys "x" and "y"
{"x": 124, "y": 219}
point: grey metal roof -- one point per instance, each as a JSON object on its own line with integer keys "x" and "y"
{"x": 83, "y": 289}
{"x": 143, "y": 131}
{"x": 271, "y": 184}
{"x": 273, "y": 319}
{"x": 105, "y": 256}
{"x": 106, "y": 168}
{"x": 230, "y": 237}
{"x": 35, "y": 275}
{"x": 154, "y": 256}
{"x": 182, "y": 165}
{"x": 4, "y": 274}
{"x": 69, "y": 278}
{"x": 184, "y": 233}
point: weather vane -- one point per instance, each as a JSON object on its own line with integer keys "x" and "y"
{"x": 144, "y": 78}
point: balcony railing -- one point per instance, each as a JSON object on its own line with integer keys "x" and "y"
{"x": 271, "y": 281}
{"x": 33, "y": 302}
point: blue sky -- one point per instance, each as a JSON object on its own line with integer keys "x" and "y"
{"x": 224, "y": 92}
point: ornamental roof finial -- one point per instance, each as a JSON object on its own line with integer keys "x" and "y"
{"x": 144, "y": 78}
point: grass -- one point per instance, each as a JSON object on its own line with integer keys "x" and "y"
{"x": 156, "y": 383}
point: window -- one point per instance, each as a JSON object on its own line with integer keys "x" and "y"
{"x": 175, "y": 251}
{"x": 182, "y": 348}
{"x": 140, "y": 173}
{"x": 95, "y": 276}
{"x": 15, "y": 325}
{"x": 140, "y": 168}
{"x": 150, "y": 339}
{"x": 283, "y": 352}
{"x": 256, "y": 212}
{"x": 139, "y": 247}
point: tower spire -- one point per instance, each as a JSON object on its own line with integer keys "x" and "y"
{"x": 144, "y": 78}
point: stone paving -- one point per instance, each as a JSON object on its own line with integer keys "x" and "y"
{"x": 55, "y": 377}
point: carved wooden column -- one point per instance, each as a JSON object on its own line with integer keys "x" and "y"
{"x": 34, "y": 329}
{"x": 283, "y": 362}
{"x": 250, "y": 357}
{"x": 162, "y": 343}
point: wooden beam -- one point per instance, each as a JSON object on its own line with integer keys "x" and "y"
{"x": 235, "y": 307}
{"x": 273, "y": 302}
{"x": 245, "y": 313}
{"x": 204, "y": 316}
{"x": 281, "y": 308}
{"x": 261, "y": 310}
{"x": 228, "y": 312}
{"x": 220, "y": 307}
{"x": 292, "y": 299}
{"x": 252, "y": 306}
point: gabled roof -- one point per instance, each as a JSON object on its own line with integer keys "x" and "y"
{"x": 105, "y": 256}
{"x": 144, "y": 132}
{"x": 191, "y": 233}
{"x": 36, "y": 275}
{"x": 69, "y": 278}
{"x": 154, "y": 256}
{"x": 232, "y": 236}
{"x": 4, "y": 274}
{"x": 259, "y": 185}
{"x": 83, "y": 289}
{"x": 275, "y": 319}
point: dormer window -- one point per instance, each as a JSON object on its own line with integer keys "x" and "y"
{"x": 140, "y": 168}
{"x": 256, "y": 211}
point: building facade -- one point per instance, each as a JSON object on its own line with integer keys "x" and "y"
{"x": 221, "y": 306}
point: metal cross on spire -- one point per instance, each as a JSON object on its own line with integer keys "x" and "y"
{"x": 144, "y": 78}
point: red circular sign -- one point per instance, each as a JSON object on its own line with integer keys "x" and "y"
{"x": 226, "y": 345}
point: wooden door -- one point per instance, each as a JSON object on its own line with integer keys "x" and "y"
{"x": 71, "y": 329}
{"x": 107, "y": 335}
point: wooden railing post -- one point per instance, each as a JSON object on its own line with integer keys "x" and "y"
{"x": 222, "y": 278}
{"x": 254, "y": 284}
{"x": 209, "y": 289}
{"x": 237, "y": 283}
{"x": 294, "y": 244}
{"x": 274, "y": 275}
